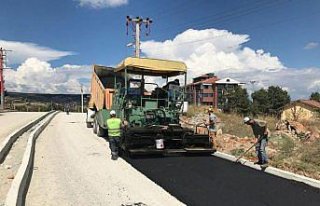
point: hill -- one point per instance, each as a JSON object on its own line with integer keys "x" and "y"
{"x": 43, "y": 102}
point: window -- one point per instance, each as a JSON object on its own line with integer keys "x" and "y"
{"x": 207, "y": 86}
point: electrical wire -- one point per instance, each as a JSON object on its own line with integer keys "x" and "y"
{"x": 224, "y": 16}
{"x": 250, "y": 27}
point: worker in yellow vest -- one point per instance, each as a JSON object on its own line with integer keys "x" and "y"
{"x": 114, "y": 132}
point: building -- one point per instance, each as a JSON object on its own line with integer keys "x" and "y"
{"x": 301, "y": 110}
{"x": 209, "y": 90}
{"x": 224, "y": 87}
{"x": 201, "y": 90}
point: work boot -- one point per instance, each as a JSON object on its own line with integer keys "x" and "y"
{"x": 258, "y": 163}
{"x": 264, "y": 164}
{"x": 114, "y": 157}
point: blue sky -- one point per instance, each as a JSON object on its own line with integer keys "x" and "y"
{"x": 89, "y": 33}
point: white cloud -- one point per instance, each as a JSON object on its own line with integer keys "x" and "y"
{"x": 24, "y": 50}
{"x": 299, "y": 83}
{"x": 224, "y": 53}
{"x": 97, "y": 4}
{"x": 35, "y": 76}
{"x": 311, "y": 45}
{"x": 212, "y": 50}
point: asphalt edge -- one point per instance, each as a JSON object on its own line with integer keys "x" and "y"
{"x": 16, "y": 194}
{"x": 7, "y": 143}
{"x": 270, "y": 170}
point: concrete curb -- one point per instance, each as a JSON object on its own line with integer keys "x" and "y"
{"x": 271, "y": 170}
{"x": 11, "y": 138}
{"x": 16, "y": 194}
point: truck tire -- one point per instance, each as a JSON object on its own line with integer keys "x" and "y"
{"x": 94, "y": 128}
{"x": 100, "y": 131}
{"x": 89, "y": 120}
{"x": 89, "y": 125}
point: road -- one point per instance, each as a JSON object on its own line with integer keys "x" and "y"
{"x": 73, "y": 167}
{"x": 210, "y": 181}
{"x": 10, "y": 121}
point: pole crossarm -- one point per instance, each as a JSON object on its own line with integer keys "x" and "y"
{"x": 136, "y": 26}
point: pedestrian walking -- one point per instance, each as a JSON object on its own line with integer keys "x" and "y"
{"x": 260, "y": 131}
{"x": 114, "y": 132}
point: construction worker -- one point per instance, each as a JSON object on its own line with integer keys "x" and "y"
{"x": 260, "y": 131}
{"x": 212, "y": 124}
{"x": 114, "y": 132}
{"x": 171, "y": 87}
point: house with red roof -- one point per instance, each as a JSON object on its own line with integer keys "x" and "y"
{"x": 208, "y": 89}
{"x": 301, "y": 110}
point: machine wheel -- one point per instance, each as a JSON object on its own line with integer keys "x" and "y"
{"x": 100, "y": 131}
{"x": 89, "y": 124}
{"x": 124, "y": 150}
{"x": 94, "y": 128}
{"x": 124, "y": 153}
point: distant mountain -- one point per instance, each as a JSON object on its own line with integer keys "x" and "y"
{"x": 43, "y": 102}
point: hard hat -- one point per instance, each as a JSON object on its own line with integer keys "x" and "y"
{"x": 112, "y": 112}
{"x": 210, "y": 109}
{"x": 246, "y": 119}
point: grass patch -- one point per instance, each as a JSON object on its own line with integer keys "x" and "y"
{"x": 194, "y": 110}
{"x": 233, "y": 124}
{"x": 285, "y": 145}
{"x": 237, "y": 152}
{"x": 311, "y": 153}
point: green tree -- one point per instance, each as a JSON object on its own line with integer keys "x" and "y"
{"x": 260, "y": 102}
{"x": 277, "y": 98}
{"x": 315, "y": 96}
{"x": 269, "y": 101}
{"x": 238, "y": 101}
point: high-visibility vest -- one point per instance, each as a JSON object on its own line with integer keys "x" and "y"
{"x": 114, "y": 126}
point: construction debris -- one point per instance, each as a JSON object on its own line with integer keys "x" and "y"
{"x": 298, "y": 130}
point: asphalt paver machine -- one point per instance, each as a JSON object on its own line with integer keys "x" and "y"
{"x": 151, "y": 112}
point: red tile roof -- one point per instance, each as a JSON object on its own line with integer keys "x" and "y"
{"x": 311, "y": 103}
{"x": 211, "y": 80}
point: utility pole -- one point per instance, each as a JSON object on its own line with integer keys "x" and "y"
{"x": 81, "y": 99}
{"x": 135, "y": 25}
{"x": 2, "y": 68}
{"x": 1, "y": 77}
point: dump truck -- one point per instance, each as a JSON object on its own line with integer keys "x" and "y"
{"x": 152, "y": 112}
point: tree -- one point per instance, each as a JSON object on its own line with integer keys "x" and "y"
{"x": 260, "y": 102}
{"x": 269, "y": 101}
{"x": 315, "y": 96}
{"x": 238, "y": 101}
{"x": 277, "y": 98}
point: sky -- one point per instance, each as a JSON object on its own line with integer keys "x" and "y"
{"x": 53, "y": 44}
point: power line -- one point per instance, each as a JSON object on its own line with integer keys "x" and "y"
{"x": 225, "y": 15}
{"x": 179, "y": 9}
{"x": 219, "y": 36}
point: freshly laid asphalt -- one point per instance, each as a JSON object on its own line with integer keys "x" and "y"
{"x": 208, "y": 180}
